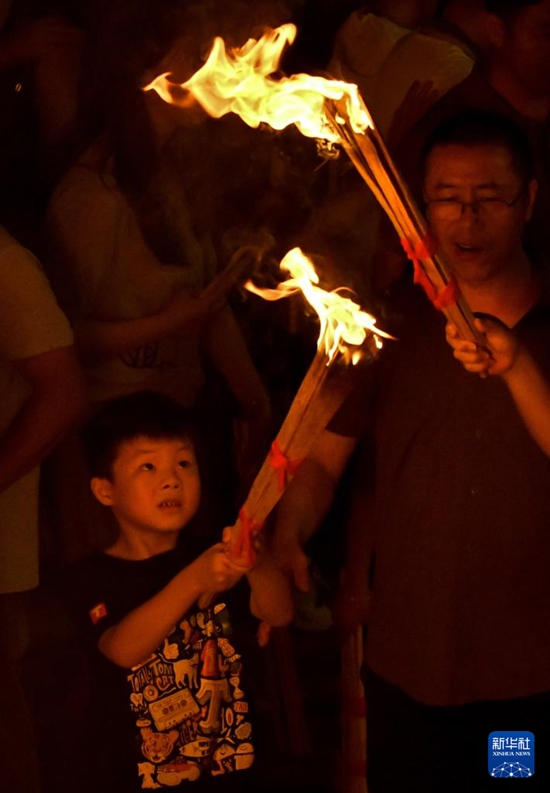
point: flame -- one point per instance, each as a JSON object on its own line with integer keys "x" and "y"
{"x": 343, "y": 322}
{"x": 241, "y": 81}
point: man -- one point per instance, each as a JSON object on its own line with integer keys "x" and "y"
{"x": 513, "y": 79}
{"x": 41, "y": 396}
{"x": 456, "y": 540}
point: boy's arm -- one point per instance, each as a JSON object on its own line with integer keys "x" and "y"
{"x": 141, "y": 631}
{"x": 508, "y": 358}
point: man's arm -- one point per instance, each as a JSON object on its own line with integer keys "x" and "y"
{"x": 271, "y": 596}
{"x": 507, "y": 357}
{"x": 55, "y": 404}
{"x": 307, "y": 501}
{"x": 531, "y": 393}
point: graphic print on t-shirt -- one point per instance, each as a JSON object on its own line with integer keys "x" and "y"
{"x": 191, "y": 713}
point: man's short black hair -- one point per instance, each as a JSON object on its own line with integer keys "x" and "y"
{"x": 478, "y": 127}
{"x": 142, "y": 414}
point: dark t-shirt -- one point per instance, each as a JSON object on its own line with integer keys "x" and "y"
{"x": 461, "y": 519}
{"x": 181, "y": 716}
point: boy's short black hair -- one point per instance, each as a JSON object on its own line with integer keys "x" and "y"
{"x": 477, "y": 127}
{"x": 142, "y": 414}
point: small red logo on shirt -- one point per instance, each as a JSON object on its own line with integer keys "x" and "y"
{"x": 98, "y": 612}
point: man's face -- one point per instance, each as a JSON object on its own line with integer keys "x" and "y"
{"x": 484, "y": 240}
{"x": 155, "y": 486}
{"x": 526, "y": 47}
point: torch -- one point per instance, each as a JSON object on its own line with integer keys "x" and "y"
{"x": 242, "y": 81}
{"x": 347, "y": 335}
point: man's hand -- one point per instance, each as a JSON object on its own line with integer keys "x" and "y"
{"x": 292, "y": 560}
{"x": 497, "y": 358}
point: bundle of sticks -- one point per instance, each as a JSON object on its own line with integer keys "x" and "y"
{"x": 372, "y": 160}
{"x": 326, "y": 384}
{"x": 321, "y": 393}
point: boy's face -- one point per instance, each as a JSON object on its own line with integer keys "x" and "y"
{"x": 155, "y": 486}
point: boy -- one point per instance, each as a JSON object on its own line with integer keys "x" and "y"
{"x": 180, "y": 715}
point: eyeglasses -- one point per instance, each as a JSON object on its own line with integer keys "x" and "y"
{"x": 453, "y": 209}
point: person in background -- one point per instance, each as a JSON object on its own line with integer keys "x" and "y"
{"x": 404, "y": 57}
{"x": 388, "y": 48}
{"x": 41, "y": 398}
{"x": 41, "y": 46}
{"x": 130, "y": 228}
{"x": 513, "y": 79}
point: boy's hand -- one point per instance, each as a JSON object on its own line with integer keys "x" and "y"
{"x": 243, "y": 555}
{"x": 215, "y": 571}
{"x": 499, "y": 356}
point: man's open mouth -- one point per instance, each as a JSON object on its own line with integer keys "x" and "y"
{"x": 463, "y": 247}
